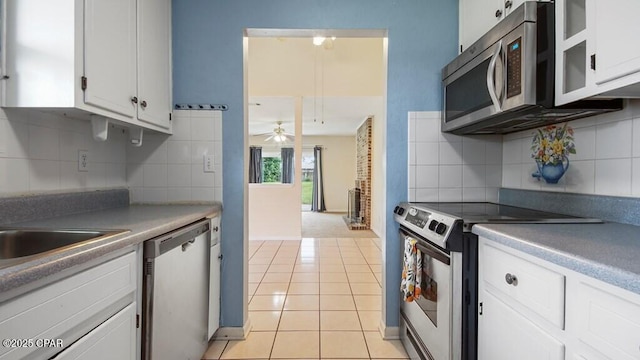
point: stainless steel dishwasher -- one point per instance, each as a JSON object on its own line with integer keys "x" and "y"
{"x": 175, "y": 294}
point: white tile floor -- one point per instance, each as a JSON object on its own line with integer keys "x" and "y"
{"x": 313, "y": 299}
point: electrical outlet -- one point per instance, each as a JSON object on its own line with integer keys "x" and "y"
{"x": 83, "y": 160}
{"x": 208, "y": 163}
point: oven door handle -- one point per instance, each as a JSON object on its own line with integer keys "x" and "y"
{"x": 425, "y": 248}
{"x": 491, "y": 77}
{"x": 433, "y": 254}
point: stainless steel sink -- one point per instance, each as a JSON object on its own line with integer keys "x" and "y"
{"x": 19, "y": 243}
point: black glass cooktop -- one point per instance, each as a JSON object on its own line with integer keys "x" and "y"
{"x": 484, "y": 212}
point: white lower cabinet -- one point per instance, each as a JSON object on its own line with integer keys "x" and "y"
{"x": 113, "y": 339}
{"x": 503, "y": 332}
{"x": 608, "y": 323}
{"x": 70, "y": 309}
{"x": 520, "y": 312}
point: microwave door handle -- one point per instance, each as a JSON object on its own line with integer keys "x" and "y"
{"x": 491, "y": 77}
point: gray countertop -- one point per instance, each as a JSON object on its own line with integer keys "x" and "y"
{"x": 609, "y": 252}
{"x": 142, "y": 221}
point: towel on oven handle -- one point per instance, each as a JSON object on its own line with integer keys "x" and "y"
{"x": 411, "y": 270}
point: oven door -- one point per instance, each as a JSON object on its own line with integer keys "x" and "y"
{"x": 429, "y": 318}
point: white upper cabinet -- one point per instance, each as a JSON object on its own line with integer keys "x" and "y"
{"x": 479, "y": 16}
{"x": 154, "y": 61}
{"x": 81, "y": 57}
{"x": 597, "y": 53}
{"x": 110, "y": 55}
{"x": 616, "y": 39}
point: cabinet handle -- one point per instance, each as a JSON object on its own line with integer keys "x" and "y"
{"x": 498, "y": 13}
{"x": 215, "y": 229}
{"x": 220, "y": 256}
{"x": 143, "y": 104}
{"x": 511, "y": 279}
{"x": 134, "y": 100}
{"x": 508, "y": 4}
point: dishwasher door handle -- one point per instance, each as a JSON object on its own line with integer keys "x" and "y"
{"x": 186, "y": 245}
{"x": 160, "y": 245}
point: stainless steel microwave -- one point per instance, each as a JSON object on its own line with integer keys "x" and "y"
{"x": 505, "y": 81}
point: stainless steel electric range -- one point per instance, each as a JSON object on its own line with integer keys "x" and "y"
{"x": 442, "y": 323}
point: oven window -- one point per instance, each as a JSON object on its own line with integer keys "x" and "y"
{"x": 460, "y": 100}
{"x": 428, "y": 300}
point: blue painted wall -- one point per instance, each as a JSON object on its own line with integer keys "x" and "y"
{"x": 207, "y": 63}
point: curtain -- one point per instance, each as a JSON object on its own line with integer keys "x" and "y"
{"x": 317, "y": 197}
{"x": 287, "y": 165}
{"x": 255, "y": 164}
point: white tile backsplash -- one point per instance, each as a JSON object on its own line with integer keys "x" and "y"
{"x": 179, "y": 175}
{"x": 171, "y": 168}
{"x": 607, "y": 146}
{"x": 635, "y": 177}
{"x": 450, "y": 153}
{"x": 44, "y": 143}
{"x": 613, "y": 177}
{"x": 154, "y": 175}
{"x": 613, "y": 140}
{"x": 427, "y": 153}
{"x": 449, "y": 167}
{"x": 41, "y": 154}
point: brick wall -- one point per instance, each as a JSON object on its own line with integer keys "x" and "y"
{"x": 363, "y": 173}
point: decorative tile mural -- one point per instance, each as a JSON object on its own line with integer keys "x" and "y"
{"x": 550, "y": 148}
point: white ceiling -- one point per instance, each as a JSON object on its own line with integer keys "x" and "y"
{"x": 337, "y": 116}
{"x": 340, "y": 85}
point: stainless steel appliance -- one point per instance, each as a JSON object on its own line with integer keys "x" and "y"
{"x": 175, "y": 294}
{"x": 442, "y": 324}
{"x": 505, "y": 81}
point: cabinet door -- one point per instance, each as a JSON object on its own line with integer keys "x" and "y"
{"x": 476, "y": 18}
{"x": 154, "y": 61}
{"x": 617, "y": 47}
{"x": 113, "y": 339}
{"x": 608, "y": 322}
{"x": 214, "y": 291}
{"x": 504, "y": 334}
{"x": 511, "y": 5}
{"x": 110, "y": 55}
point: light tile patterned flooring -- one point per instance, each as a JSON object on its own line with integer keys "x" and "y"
{"x": 313, "y": 299}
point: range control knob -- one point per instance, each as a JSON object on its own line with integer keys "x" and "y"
{"x": 432, "y": 225}
{"x": 401, "y": 211}
{"x": 395, "y": 210}
{"x": 441, "y": 229}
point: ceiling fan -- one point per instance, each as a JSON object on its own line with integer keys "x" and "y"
{"x": 279, "y": 135}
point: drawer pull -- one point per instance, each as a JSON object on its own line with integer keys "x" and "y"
{"x": 511, "y": 279}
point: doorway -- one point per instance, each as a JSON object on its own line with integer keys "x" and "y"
{"x": 339, "y": 84}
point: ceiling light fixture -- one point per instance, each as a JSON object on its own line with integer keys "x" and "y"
{"x": 318, "y": 40}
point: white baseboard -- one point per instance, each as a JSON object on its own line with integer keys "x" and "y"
{"x": 233, "y": 333}
{"x": 389, "y": 332}
{"x": 272, "y": 238}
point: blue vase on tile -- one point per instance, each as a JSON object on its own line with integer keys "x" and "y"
{"x": 551, "y": 173}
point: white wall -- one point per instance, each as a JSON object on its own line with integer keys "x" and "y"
{"x": 607, "y": 161}
{"x": 274, "y": 209}
{"x": 447, "y": 167}
{"x": 171, "y": 168}
{"x": 339, "y": 168}
{"x": 39, "y": 153}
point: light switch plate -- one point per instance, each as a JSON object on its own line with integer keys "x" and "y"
{"x": 83, "y": 160}
{"x": 208, "y": 163}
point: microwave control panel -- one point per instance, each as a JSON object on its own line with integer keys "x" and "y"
{"x": 514, "y": 68}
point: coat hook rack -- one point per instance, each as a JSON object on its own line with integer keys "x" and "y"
{"x": 220, "y": 107}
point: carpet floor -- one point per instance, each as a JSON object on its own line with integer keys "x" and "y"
{"x": 329, "y": 225}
